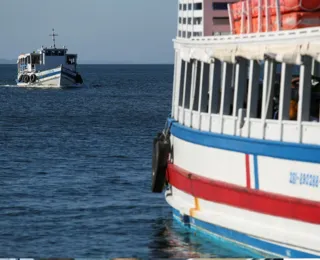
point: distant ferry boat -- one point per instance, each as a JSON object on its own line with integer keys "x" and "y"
{"x": 50, "y": 67}
{"x": 239, "y": 158}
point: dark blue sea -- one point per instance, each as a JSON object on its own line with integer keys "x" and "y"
{"x": 75, "y": 169}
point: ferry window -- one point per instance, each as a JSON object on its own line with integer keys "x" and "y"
{"x": 227, "y": 69}
{"x": 315, "y": 102}
{"x": 28, "y": 60}
{"x": 219, "y": 6}
{"x": 35, "y": 59}
{"x": 292, "y": 101}
{"x": 60, "y": 53}
{"x": 197, "y": 86}
{"x": 188, "y": 84}
{"x": 71, "y": 59}
{"x": 197, "y": 6}
{"x": 183, "y": 65}
{"x": 205, "y": 88}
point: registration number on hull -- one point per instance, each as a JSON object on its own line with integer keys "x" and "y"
{"x": 306, "y": 179}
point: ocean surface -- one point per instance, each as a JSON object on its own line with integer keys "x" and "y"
{"x": 75, "y": 169}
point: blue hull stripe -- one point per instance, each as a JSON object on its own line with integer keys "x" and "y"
{"x": 56, "y": 73}
{"x": 48, "y": 75}
{"x": 284, "y": 150}
{"x": 213, "y": 230}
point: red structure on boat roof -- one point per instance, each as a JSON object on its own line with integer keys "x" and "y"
{"x": 252, "y": 16}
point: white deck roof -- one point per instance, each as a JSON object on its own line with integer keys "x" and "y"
{"x": 283, "y": 46}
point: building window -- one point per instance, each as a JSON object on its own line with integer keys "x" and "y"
{"x": 180, "y": 6}
{"x": 220, "y": 21}
{"x": 197, "y": 6}
{"x": 189, "y": 6}
{"x": 220, "y": 6}
{"x": 179, "y": 33}
{"x": 197, "y": 34}
{"x": 184, "y": 20}
{"x": 220, "y": 33}
{"x": 197, "y": 20}
{"x": 189, "y": 20}
{"x": 184, "y": 34}
{"x": 184, "y": 7}
{"x": 189, "y": 34}
{"x": 180, "y": 19}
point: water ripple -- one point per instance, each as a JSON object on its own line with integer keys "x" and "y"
{"x": 76, "y": 168}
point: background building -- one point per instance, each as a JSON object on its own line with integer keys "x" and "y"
{"x": 203, "y": 18}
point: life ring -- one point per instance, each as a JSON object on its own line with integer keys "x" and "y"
{"x": 33, "y": 78}
{"x": 26, "y": 79}
{"x": 161, "y": 150}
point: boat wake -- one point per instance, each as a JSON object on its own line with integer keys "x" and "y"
{"x": 43, "y": 86}
{"x": 7, "y": 85}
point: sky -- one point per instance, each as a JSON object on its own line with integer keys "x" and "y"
{"x": 103, "y": 31}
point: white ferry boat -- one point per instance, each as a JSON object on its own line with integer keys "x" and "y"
{"x": 239, "y": 158}
{"x": 50, "y": 67}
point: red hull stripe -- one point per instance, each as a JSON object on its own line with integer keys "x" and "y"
{"x": 248, "y": 171}
{"x": 240, "y": 197}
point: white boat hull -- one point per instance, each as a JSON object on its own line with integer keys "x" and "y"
{"x": 250, "y": 196}
{"x": 55, "y": 78}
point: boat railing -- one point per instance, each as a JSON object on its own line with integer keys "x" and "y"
{"x": 274, "y": 130}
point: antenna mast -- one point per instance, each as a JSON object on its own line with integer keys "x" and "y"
{"x": 53, "y": 38}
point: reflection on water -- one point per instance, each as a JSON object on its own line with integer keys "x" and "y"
{"x": 172, "y": 240}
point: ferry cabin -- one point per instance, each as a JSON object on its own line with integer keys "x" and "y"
{"x": 219, "y": 91}
{"x": 45, "y": 59}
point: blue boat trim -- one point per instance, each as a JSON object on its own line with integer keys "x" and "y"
{"x": 283, "y": 150}
{"x": 239, "y": 237}
{"x": 256, "y": 172}
{"x": 65, "y": 73}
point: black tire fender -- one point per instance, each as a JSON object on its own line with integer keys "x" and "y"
{"x": 33, "y": 78}
{"x": 26, "y": 78}
{"x": 161, "y": 150}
